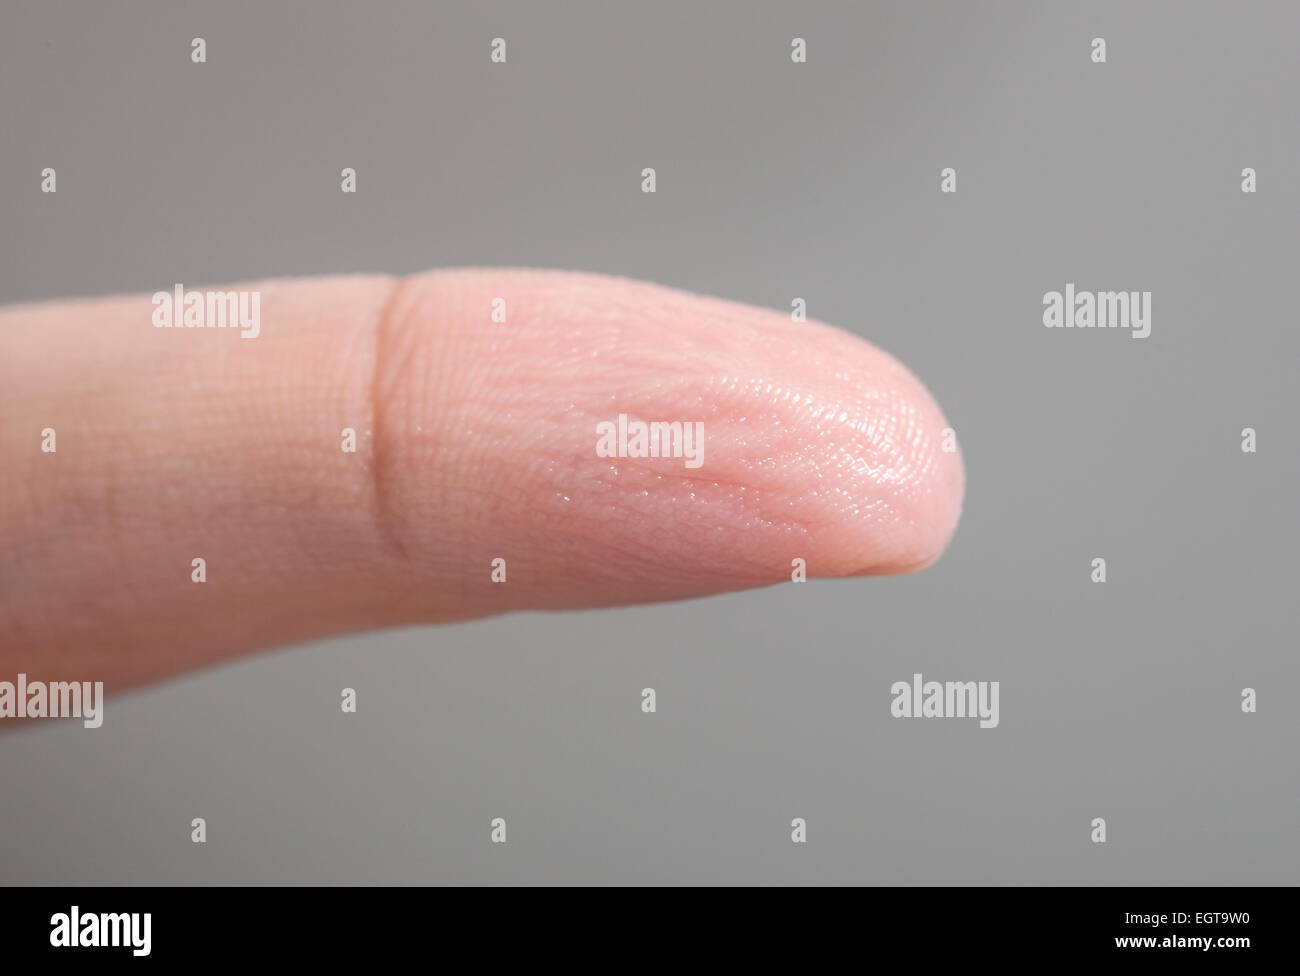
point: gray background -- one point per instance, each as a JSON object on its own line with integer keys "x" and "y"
{"x": 775, "y": 180}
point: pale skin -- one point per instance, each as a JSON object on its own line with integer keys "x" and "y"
{"x": 475, "y": 440}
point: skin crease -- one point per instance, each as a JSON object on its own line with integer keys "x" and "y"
{"x": 475, "y": 440}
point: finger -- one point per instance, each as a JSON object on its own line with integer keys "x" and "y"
{"x": 491, "y": 469}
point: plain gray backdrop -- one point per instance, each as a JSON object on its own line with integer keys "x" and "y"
{"x": 775, "y": 180}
